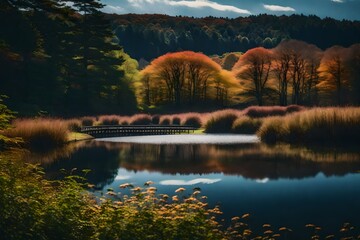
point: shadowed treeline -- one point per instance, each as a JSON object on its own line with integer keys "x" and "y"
{"x": 159, "y": 34}
{"x": 62, "y": 59}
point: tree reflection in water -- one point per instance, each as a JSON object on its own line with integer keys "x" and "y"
{"x": 253, "y": 161}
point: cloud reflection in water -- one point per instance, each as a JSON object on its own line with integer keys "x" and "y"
{"x": 190, "y": 182}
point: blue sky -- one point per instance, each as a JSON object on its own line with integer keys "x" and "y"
{"x": 339, "y": 9}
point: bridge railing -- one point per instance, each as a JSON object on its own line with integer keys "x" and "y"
{"x": 134, "y": 130}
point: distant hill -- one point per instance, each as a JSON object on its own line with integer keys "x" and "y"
{"x": 149, "y": 36}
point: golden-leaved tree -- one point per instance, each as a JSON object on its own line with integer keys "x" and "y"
{"x": 184, "y": 78}
{"x": 253, "y": 71}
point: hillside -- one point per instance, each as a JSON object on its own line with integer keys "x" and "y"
{"x": 149, "y": 36}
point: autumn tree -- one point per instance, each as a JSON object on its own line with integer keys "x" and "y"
{"x": 353, "y": 65}
{"x": 253, "y": 71}
{"x": 184, "y": 78}
{"x": 282, "y": 64}
{"x": 295, "y": 71}
{"x": 334, "y": 74}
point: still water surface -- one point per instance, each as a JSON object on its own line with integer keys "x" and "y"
{"x": 281, "y": 185}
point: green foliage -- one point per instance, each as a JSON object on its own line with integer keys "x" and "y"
{"x": 6, "y": 115}
{"x": 35, "y": 208}
{"x": 65, "y": 61}
{"x": 212, "y": 35}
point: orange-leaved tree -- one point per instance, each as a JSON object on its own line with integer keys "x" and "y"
{"x": 295, "y": 64}
{"x": 253, "y": 71}
{"x": 183, "y": 78}
{"x": 335, "y": 75}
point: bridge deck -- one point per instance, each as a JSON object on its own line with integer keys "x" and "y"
{"x": 134, "y": 130}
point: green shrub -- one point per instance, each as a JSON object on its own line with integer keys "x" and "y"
{"x": 246, "y": 125}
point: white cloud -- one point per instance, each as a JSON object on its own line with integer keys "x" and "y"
{"x": 277, "y": 8}
{"x": 122, "y": 177}
{"x": 190, "y": 182}
{"x": 264, "y": 180}
{"x": 210, "y": 4}
{"x": 338, "y": 1}
{"x": 192, "y": 4}
{"x": 113, "y": 9}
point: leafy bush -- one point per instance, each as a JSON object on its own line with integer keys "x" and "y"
{"x": 34, "y": 208}
{"x": 87, "y": 121}
{"x": 246, "y": 125}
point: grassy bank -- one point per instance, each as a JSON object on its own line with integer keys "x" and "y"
{"x": 318, "y": 125}
{"x": 292, "y": 124}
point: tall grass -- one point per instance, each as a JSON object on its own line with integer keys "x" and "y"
{"x": 109, "y": 120}
{"x": 221, "y": 122}
{"x": 155, "y": 119}
{"x": 176, "y": 120}
{"x": 140, "y": 119}
{"x": 165, "y": 121}
{"x": 193, "y": 121}
{"x": 319, "y": 125}
{"x": 267, "y": 111}
{"x": 246, "y": 125}
{"x": 87, "y": 121}
{"x": 40, "y": 133}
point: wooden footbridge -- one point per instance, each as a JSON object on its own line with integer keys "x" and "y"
{"x": 135, "y": 130}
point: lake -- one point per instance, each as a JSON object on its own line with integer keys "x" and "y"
{"x": 281, "y": 185}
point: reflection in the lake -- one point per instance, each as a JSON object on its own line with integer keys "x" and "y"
{"x": 253, "y": 161}
{"x": 280, "y": 184}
